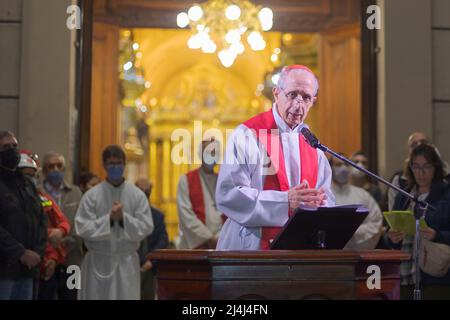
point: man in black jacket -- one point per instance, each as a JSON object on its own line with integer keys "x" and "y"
{"x": 158, "y": 239}
{"x": 23, "y": 225}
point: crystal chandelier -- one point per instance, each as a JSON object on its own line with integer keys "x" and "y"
{"x": 221, "y": 24}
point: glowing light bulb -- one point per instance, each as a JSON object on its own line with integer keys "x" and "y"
{"x": 127, "y": 66}
{"x": 265, "y": 16}
{"x": 233, "y": 12}
{"x": 195, "y": 13}
{"x": 275, "y": 79}
{"x": 209, "y": 47}
{"x": 182, "y": 19}
{"x": 233, "y": 36}
{"x": 237, "y": 48}
{"x": 227, "y": 57}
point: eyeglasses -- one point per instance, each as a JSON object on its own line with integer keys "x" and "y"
{"x": 295, "y": 95}
{"x": 425, "y": 168}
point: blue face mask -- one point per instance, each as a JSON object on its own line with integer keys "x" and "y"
{"x": 115, "y": 172}
{"x": 55, "y": 178}
{"x": 209, "y": 161}
{"x": 209, "y": 166}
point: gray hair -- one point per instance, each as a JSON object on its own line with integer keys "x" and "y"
{"x": 52, "y": 154}
{"x": 6, "y": 134}
{"x": 284, "y": 73}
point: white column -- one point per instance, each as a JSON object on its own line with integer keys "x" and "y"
{"x": 47, "y": 109}
{"x": 441, "y": 76}
{"x": 405, "y": 78}
{"x": 10, "y": 39}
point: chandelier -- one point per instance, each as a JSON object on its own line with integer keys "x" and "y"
{"x": 222, "y": 24}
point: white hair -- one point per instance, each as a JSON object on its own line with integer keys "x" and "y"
{"x": 52, "y": 154}
{"x": 284, "y": 73}
{"x": 6, "y": 134}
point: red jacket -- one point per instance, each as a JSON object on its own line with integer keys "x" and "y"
{"x": 56, "y": 219}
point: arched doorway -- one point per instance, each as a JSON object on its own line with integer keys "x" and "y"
{"x": 184, "y": 85}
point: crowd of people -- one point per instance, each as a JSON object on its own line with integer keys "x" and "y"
{"x": 107, "y": 228}
{"x": 48, "y": 226}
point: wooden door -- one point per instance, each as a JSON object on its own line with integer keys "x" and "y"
{"x": 339, "y": 99}
{"x": 104, "y": 128}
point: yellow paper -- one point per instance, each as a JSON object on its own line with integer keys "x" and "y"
{"x": 403, "y": 221}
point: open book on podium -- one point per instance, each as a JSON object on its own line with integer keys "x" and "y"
{"x": 321, "y": 228}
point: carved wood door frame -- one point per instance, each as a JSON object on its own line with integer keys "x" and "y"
{"x": 293, "y": 16}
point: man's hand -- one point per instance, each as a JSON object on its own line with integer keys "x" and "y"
{"x": 212, "y": 243}
{"x": 55, "y": 237}
{"x": 49, "y": 269}
{"x": 116, "y": 211}
{"x": 209, "y": 244}
{"x": 396, "y": 236}
{"x": 146, "y": 266}
{"x": 30, "y": 258}
{"x": 428, "y": 233}
{"x": 304, "y": 196}
{"x": 68, "y": 243}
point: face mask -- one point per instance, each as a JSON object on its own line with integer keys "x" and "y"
{"x": 9, "y": 159}
{"x": 209, "y": 159}
{"x": 209, "y": 167}
{"x": 341, "y": 175}
{"x": 33, "y": 179}
{"x": 55, "y": 178}
{"x": 115, "y": 172}
{"x": 356, "y": 173}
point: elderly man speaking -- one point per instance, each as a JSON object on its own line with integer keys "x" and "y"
{"x": 269, "y": 170}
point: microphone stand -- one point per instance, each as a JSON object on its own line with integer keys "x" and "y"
{"x": 420, "y": 209}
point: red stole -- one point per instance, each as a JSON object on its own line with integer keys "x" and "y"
{"x": 262, "y": 124}
{"x": 196, "y": 195}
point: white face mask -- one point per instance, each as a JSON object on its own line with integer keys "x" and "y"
{"x": 341, "y": 175}
{"x": 209, "y": 160}
{"x": 357, "y": 173}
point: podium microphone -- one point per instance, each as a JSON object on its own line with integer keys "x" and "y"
{"x": 312, "y": 139}
{"x": 420, "y": 209}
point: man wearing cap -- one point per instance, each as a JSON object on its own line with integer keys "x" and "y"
{"x": 269, "y": 170}
{"x": 51, "y": 275}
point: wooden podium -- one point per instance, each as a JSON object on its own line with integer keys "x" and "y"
{"x": 286, "y": 275}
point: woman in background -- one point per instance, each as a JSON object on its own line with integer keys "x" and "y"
{"x": 87, "y": 181}
{"x": 425, "y": 174}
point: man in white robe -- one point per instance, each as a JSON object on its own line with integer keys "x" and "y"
{"x": 113, "y": 217}
{"x": 368, "y": 233}
{"x": 200, "y": 221}
{"x": 257, "y": 194}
